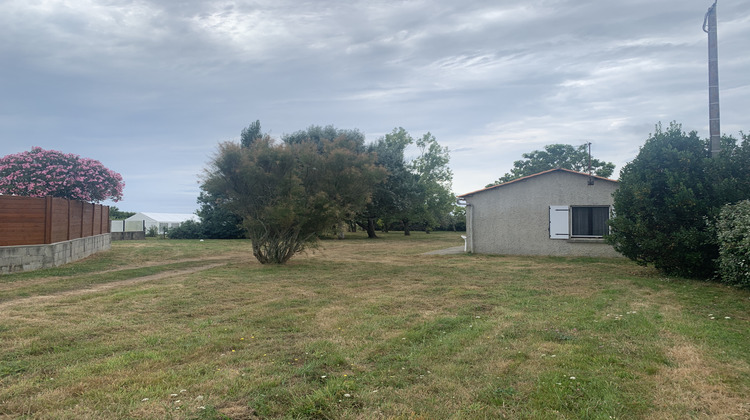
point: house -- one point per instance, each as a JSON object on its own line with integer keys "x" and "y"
{"x": 556, "y": 212}
{"x": 162, "y": 221}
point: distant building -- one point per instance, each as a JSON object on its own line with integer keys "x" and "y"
{"x": 162, "y": 221}
{"x": 557, "y": 212}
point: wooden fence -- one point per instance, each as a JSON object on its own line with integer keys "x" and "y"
{"x": 36, "y": 221}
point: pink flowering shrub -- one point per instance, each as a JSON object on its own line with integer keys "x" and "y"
{"x": 41, "y": 173}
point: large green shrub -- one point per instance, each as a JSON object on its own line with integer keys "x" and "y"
{"x": 733, "y": 231}
{"x": 667, "y": 194}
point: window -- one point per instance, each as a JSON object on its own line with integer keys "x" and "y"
{"x": 567, "y": 222}
{"x": 589, "y": 222}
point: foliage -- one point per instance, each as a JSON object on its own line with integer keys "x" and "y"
{"x": 733, "y": 230}
{"x": 455, "y": 220}
{"x": 216, "y": 220}
{"x": 416, "y": 192}
{"x": 41, "y": 173}
{"x": 117, "y": 214}
{"x": 250, "y": 134}
{"x": 152, "y": 232}
{"x": 667, "y": 194}
{"x": 557, "y": 156}
{"x": 188, "y": 229}
{"x": 434, "y": 180}
{"x": 289, "y": 193}
{"x": 392, "y": 197}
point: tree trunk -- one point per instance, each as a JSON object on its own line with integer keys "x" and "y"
{"x": 406, "y": 228}
{"x": 371, "y": 228}
{"x": 341, "y": 230}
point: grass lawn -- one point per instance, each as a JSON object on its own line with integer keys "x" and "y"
{"x": 362, "y": 329}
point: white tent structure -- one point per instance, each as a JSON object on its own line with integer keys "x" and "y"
{"x": 162, "y": 221}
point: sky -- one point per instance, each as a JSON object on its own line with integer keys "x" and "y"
{"x": 151, "y": 87}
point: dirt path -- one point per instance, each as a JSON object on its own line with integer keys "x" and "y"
{"x": 42, "y": 280}
{"x": 107, "y": 286}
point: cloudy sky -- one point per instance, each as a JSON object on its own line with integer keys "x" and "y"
{"x": 150, "y": 87}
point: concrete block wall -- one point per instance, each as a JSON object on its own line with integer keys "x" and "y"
{"x": 128, "y": 236}
{"x": 14, "y": 259}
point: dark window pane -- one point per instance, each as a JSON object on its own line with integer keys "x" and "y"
{"x": 590, "y": 221}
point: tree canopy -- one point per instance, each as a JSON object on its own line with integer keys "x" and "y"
{"x": 557, "y": 156}
{"x": 416, "y": 191}
{"x": 41, "y": 173}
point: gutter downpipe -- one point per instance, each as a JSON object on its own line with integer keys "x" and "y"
{"x": 469, "y": 245}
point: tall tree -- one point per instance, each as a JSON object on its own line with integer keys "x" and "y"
{"x": 416, "y": 191}
{"x": 556, "y": 156}
{"x": 394, "y": 196}
{"x": 435, "y": 178}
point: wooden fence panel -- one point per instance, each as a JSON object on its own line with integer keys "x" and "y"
{"x": 76, "y": 220}
{"x": 105, "y": 219}
{"x": 59, "y": 223}
{"x": 32, "y": 221}
{"x": 87, "y": 221}
{"x": 97, "y": 227}
{"x": 22, "y": 221}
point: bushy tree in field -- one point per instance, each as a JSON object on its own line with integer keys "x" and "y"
{"x": 670, "y": 195}
{"x": 733, "y": 230}
{"x": 41, "y": 173}
{"x": 339, "y": 146}
{"x": 556, "y": 156}
{"x": 288, "y": 193}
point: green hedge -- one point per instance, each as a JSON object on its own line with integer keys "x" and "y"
{"x": 733, "y": 231}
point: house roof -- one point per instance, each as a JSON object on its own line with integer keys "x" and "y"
{"x": 533, "y": 176}
{"x": 164, "y": 217}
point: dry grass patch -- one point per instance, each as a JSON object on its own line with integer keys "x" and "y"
{"x": 693, "y": 387}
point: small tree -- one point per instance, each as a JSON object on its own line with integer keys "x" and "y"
{"x": 41, "y": 173}
{"x": 289, "y": 193}
{"x": 557, "y": 156}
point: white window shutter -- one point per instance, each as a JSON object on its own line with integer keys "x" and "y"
{"x": 558, "y": 222}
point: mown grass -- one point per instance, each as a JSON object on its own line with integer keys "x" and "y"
{"x": 368, "y": 329}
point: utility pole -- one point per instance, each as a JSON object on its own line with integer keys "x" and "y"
{"x": 714, "y": 120}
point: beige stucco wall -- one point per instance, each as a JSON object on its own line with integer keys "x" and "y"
{"x": 514, "y": 219}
